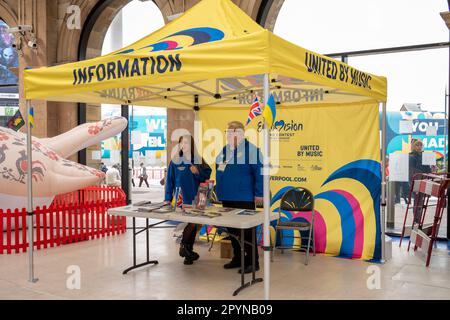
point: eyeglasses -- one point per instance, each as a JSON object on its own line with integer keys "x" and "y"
{"x": 233, "y": 131}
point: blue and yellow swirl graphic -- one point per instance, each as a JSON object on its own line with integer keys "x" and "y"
{"x": 182, "y": 39}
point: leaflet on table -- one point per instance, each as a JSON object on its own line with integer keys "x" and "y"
{"x": 225, "y": 210}
{"x": 159, "y": 207}
{"x": 203, "y": 198}
{"x": 247, "y": 212}
{"x": 165, "y": 209}
{"x": 213, "y": 212}
{"x": 142, "y": 203}
{"x": 200, "y": 213}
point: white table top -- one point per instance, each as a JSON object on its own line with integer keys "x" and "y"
{"x": 227, "y": 219}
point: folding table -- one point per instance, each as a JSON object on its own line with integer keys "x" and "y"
{"x": 227, "y": 219}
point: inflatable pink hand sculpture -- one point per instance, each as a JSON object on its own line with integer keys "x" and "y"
{"x": 52, "y": 173}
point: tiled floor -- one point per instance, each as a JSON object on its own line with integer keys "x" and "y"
{"x": 101, "y": 263}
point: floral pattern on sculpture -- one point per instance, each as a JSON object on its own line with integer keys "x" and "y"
{"x": 51, "y": 172}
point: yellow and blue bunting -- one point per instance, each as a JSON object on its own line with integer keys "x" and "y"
{"x": 270, "y": 111}
{"x": 31, "y": 117}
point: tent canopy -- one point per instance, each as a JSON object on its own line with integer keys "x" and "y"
{"x": 215, "y": 51}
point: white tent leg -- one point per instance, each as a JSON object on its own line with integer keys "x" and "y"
{"x": 30, "y": 220}
{"x": 383, "y": 183}
{"x": 266, "y": 134}
{"x": 198, "y": 131}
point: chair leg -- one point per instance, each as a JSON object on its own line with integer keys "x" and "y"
{"x": 308, "y": 246}
{"x": 307, "y": 256}
{"x": 314, "y": 247}
{"x": 259, "y": 234}
{"x": 314, "y": 243}
{"x": 282, "y": 242}
{"x": 274, "y": 246}
{"x": 213, "y": 239}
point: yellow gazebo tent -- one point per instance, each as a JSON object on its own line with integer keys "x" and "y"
{"x": 211, "y": 41}
{"x": 198, "y": 57}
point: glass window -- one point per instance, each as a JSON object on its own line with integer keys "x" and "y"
{"x": 327, "y": 26}
{"x": 419, "y": 77}
{"x": 148, "y": 126}
{"x": 413, "y": 77}
{"x": 9, "y": 60}
{"x": 135, "y": 21}
{"x": 9, "y": 57}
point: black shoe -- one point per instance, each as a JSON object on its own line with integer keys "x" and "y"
{"x": 187, "y": 253}
{"x": 232, "y": 264}
{"x": 183, "y": 251}
{"x": 194, "y": 255}
{"x": 249, "y": 269}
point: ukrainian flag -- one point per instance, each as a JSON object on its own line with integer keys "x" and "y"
{"x": 270, "y": 111}
{"x": 31, "y": 117}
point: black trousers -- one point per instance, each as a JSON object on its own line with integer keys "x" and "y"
{"x": 247, "y": 234}
{"x": 143, "y": 180}
{"x": 189, "y": 233}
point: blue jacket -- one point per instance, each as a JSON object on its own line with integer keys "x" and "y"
{"x": 240, "y": 179}
{"x": 179, "y": 175}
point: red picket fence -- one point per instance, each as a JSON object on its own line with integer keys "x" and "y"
{"x": 77, "y": 216}
{"x": 153, "y": 173}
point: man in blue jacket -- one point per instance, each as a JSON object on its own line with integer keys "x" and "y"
{"x": 240, "y": 185}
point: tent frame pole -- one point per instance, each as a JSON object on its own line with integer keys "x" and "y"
{"x": 383, "y": 182}
{"x": 267, "y": 200}
{"x": 197, "y": 130}
{"x": 131, "y": 129}
{"x": 125, "y": 152}
{"x": 30, "y": 216}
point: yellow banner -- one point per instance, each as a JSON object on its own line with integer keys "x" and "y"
{"x": 333, "y": 151}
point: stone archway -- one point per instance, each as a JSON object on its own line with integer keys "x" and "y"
{"x": 98, "y": 15}
{"x": 268, "y": 14}
{"x": 7, "y": 14}
{"x": 100, "y": 18}
{"x": 58, "y": 44}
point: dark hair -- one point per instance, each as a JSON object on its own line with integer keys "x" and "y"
{"x": 194, "y": 152}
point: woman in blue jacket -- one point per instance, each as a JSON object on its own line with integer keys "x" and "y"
{"x": 186, "y": 171}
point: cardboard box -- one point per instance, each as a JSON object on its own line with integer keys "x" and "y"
{"x": 226, "y": 250}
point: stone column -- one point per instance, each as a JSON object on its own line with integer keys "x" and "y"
{"x": 179, "y": 122}
{"x": 35, "y": 58}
